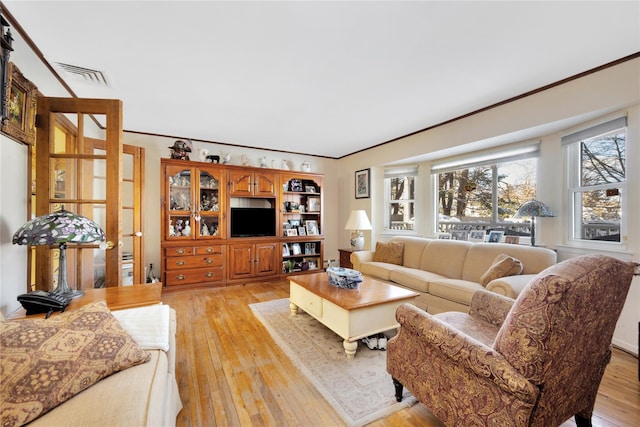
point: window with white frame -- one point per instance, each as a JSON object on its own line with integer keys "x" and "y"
{"x": 400, "y": 191}
{"x": 483, "y": 190}
{"x": 596, "y": 159}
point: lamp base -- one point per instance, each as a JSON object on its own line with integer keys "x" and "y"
{"x": 63, "y": 287}
{"x": 357, "y": 241}
{"x": 71, "y": 293}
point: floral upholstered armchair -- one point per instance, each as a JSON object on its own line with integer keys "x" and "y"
{"x": 535, "y": 361}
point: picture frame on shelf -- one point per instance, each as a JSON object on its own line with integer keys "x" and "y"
{"x": 477, "y": 235}
{"x": 302, "y": 231}
{"x": 313, "y": 204}
{"x": 459, "y": 235}
{"x": 309, "y": 248}
{"x": 292, "y": 232}
{"x": 514, "y": 240}
{"x": 20, "y": 123}
{"x": 285, "y": 250}
{"x": 313, "y": 263}
{"x": 312, "y": 227}
{"x": 309, "y": 189}
{"x": 294, "y": 223}
{"x": 495, "y": 236}
{"x": 363, "y": 182}
{"x": 295, "y": 249}
{"x": 444, "y": 236}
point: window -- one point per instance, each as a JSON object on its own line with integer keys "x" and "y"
{"x": 483, "y": 191}
{"x": 596, "y": 174}
{"x": 400, "y": 190}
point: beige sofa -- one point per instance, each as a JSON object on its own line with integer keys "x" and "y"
{"x": 446, "y": 273}
{"x": 142, "y": 395}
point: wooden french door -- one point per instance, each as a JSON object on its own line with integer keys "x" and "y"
{"x": 75, "y": 173}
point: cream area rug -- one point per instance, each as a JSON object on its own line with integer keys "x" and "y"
{"x": 359, "y": 389}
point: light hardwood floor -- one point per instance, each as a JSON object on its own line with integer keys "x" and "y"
{"x": 230, "y": 372}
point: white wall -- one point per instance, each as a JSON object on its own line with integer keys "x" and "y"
{"x": 13, "y": 213}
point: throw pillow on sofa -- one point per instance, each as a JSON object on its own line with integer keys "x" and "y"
{"x": 44, "y": 362}
{"x": 389, "y": 252}
{"x": 504, "y": 265}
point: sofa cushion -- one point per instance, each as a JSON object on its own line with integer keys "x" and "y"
{"x": 390, "y": 252}
{"x": 445, "y": 257}
{"x": 503, "y": 265}
{"x": 413, "y": 249}
{"x": 481, "y": 255}
{"x": 457, "y": 290}
{"x": 379, "y": 270}
{"x": 44, "y": 362}
{"x": 413, "y": 278}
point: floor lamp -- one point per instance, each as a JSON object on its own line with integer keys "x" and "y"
{"x": 59, "y": 228}
{"x": 534, "y": 208}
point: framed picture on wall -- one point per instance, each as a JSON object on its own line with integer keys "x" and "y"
{"x": 20, "y": 123}
{"x": 477, "y": 235}
{"x": 363, "y": 182}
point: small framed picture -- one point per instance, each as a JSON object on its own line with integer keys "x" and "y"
{"x": 514, "y": 240}
{"x": 363, "y": 182}
{"x": 309, "y": 248}
{"x": 309, "y": 189}
{"x": 295, "y": 249}
{"x": 313, "y": 203}
{"x": 285, "y": 250}
{"x": 292, "y": 232}
{"x": 302, "y": 231}
{"x": 294, "y": 223}
{"x": 495, "y": 236}
{"x": 312, "y": 227}
{"x": 444, "y": 236}
{"x": 459, "y": 235}
{"x": 477, "y": 235}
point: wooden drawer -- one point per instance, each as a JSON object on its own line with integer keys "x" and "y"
{"x": 306, "y": 300}
{"x": 177, "y": 263}
{"x": 210, "y": 250}
{"x": 178, "y": 251}
{"x": 199, "y": 275}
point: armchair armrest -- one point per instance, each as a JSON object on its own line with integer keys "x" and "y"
{"x": 490, "y": 307}
{"x": 465, "y": 351}
{"x": 358, "y": 257}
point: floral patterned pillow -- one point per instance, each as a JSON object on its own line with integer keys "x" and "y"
{"x": 504, "y": 265}
{"x": 391, "y": 252}
{"x": 44, "y": 362}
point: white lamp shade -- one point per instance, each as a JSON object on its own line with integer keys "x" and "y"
{"x": 358, "y": 220}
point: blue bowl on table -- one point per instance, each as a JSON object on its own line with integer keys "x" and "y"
{"x": 344, "y": 278}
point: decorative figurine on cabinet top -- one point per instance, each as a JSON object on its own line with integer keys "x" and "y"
{"x": 179, "y": 150}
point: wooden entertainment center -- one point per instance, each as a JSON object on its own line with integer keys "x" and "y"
{"x": 226, "y": 224}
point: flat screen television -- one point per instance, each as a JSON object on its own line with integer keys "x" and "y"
{"x": 253, "y": 222}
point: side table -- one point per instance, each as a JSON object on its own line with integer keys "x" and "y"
{"x": 345, "y": 258}
{"x": 117, "y": 298}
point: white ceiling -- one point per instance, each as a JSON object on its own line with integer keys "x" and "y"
{"x": 317, "y": 77}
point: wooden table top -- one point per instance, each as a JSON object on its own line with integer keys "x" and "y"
{"x": 371, "y": 291}
{"x": 117, "y": 298}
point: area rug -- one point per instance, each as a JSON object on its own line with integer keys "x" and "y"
{"x": 359, "y": 389}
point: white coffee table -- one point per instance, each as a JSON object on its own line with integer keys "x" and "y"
{"x": 350, "y": 313}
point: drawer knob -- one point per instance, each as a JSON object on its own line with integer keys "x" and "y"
{"x": 209, "y": 250}
{"x": 180, "y": 262}
{"x": 209, "y": 274}
{"x": 208, "y": 260}
{"x": 180, "y": 251}
{"x": 180, "y": 277}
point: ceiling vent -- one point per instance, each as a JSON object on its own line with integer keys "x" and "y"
{"x": 84, "y": 74}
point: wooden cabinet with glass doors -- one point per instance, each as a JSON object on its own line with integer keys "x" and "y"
{"x": 193, "y": 201}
